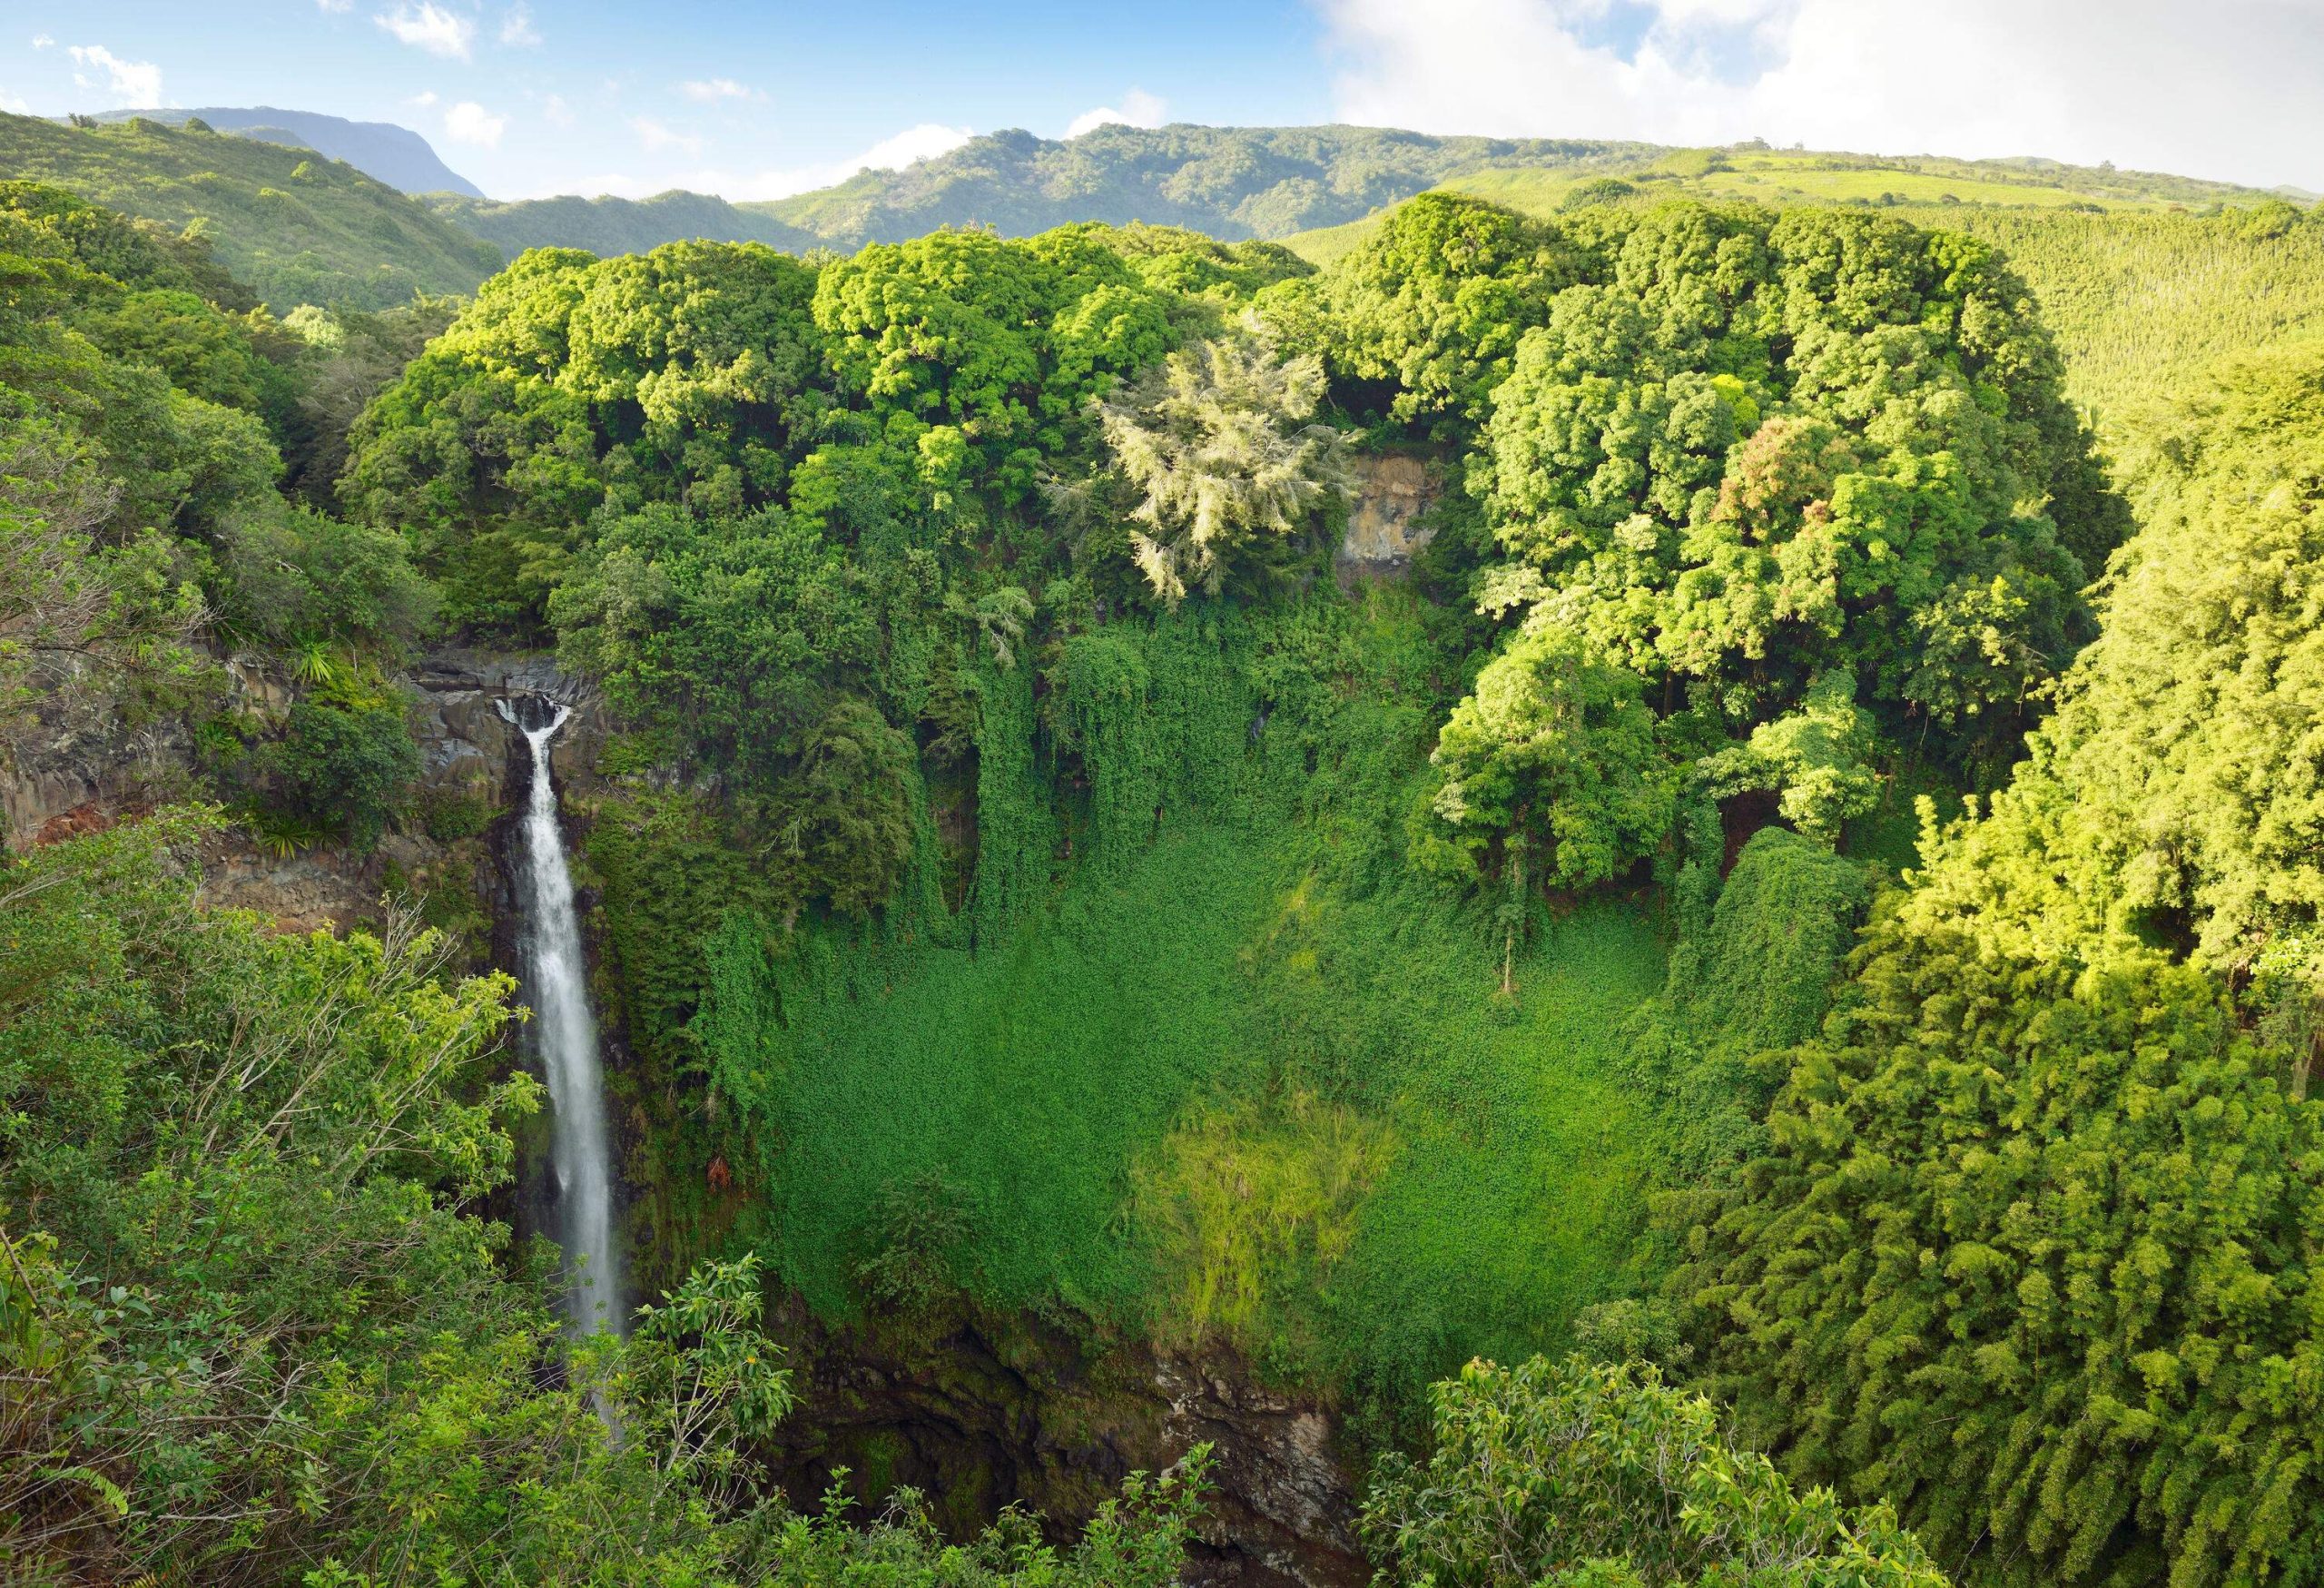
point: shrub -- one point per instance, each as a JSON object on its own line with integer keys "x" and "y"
{"x": 1575, "y": 1476}
{"x": 346, "y": 761}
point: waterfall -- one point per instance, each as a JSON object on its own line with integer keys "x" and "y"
{"x": 556, "y": 986}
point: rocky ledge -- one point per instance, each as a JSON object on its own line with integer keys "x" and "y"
{"x": 979, "y": 1412}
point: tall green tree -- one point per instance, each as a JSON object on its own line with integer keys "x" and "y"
{"x": 1422, "y": 321}
{"x": 1753, "y": 451}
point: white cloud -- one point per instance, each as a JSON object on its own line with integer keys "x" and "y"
{"x": 423, "y": 99}
{"x": 1138, "y": 109}
{"x": 469, "y": 123}
{"x": 557, "y": 113}
{"x": 335, "y": 6}
{"x": 657, "y": 137}
{"x": 924, "y": 142}
{"x": 135, "y": 83}
{"x": 12, "y": 105}
{"x": 42, "y": 41}
{"x": 429, "y": 26}
{"x": 908, "y": 147}
{"x": 1976, "y": 77}
{"x": 517, "y": 27}
{"x": 710, "y": 89}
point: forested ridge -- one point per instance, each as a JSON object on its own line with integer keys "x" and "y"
{"x": 395, "y": 155}
{"x": 1274, "y": 182}
{"x": 1780, "y": 932}
{"x": 295, "y": 227}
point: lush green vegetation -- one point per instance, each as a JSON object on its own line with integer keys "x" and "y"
{"x": 257, "y": 1322}
{"x": 2144, "y": 281}
{"x": 605, "y": 225}
{"x": 395, "y": 155}
{"x": 299, "y": 228}
{"x": 2048, "y": 1180}
{"x": 1063, "y": 825}
{"x": 2143, "y": 305}
{"x": 256, "y": 1330}
{"x": 1027, "y": 881}
{"x": 1589, "y": 1476}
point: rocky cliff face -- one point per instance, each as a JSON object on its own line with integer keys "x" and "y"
{"x": 1386, "y": 522}
{"x": 82, "y": 759}
{"x": 86, "y": 762}
{"x": 979, "y": 1412}
{"x": 464, "y": 741}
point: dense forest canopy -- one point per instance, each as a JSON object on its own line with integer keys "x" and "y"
{"x": 2046, "y": 1182}
{"x": 1033, "y": 876}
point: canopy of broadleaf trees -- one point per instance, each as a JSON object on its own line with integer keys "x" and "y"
{"x": 1759, "y": 503}
{"x": 164, "y": 443}
{"x": 1763, "y": 500}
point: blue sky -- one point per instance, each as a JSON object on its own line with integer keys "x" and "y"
{"x": 577, "y": 95}
{"x": 752, "y": 100}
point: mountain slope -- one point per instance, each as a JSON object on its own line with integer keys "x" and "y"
{"x": 300, "y": 228}
{"x": 611, "y": 225}
{"x": 1232, "y": 182}
{"x": 381, "y": 149}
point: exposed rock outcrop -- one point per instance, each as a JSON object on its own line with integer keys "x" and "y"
{"x": 1386, "y": 522}
{"x": 84, "y": 763}
{"x": 983, "y": 1413}
{"x": 82, "y": 759}
{"x": 466, "y": 743}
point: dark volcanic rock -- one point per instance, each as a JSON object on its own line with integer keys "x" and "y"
{"x": 981, "y": 1414}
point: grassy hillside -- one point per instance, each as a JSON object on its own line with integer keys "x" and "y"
{"x": 300, "y": 228}
{"x": 1776, "y": 176}
{"x": 1232, "y": 182}
{"x": 395, "y": 155}
{"x": 2146, "y": 279}
{"x": 610, "y": 225}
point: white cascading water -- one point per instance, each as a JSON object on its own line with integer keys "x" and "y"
{"x": 557, "y": 988}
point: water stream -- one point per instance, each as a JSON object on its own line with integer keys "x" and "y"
{"x": 556, "y": 986}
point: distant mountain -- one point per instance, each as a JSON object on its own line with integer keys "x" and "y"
{"x": 610, "y": 225}
{"x": 395, "y": 155}
{"x": 1232, "y": 182}
{"x": 299, "y": 226}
